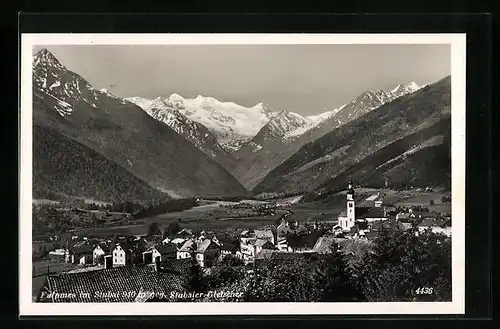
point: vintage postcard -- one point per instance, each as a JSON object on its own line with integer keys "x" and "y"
{"x": 246, "y": 173}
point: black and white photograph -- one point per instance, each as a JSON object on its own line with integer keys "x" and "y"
{"x": 269, "y": 171}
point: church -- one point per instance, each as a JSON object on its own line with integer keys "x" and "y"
{"x": 361, "y": 216}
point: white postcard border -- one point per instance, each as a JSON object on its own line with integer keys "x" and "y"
{"x": 458, "y": 77}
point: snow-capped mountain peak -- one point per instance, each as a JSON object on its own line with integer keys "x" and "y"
{"x": 52, "y": 78}
{"x": 285, "y": 121}
{"x": 358, "y": 106}
{"x": 175, "y": 97}
{"x": 46, "y": 58}
{"x": 403, "y": 89}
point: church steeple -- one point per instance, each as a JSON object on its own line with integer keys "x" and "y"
{"x": 351, "y": 216}
{"x": 348, "y": 220}
{"x": 350, "y": 191}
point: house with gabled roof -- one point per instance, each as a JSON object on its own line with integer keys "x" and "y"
{"x": 161, "y": 252}
{"x": 262, "y": 244}
{"x": 436, "y": 225}
{"x": 80, "y": 254}
{"x": 265, "y": 234}
{"x": 122, "y": 253}
{"x": 185, "y": 250}
{"x": 99, "y": 251}
{"x": 283, "y": 229}
{"x": 207, "y": 251}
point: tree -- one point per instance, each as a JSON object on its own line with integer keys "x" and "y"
{"x": 173, "y": 228}
{"x": 335, "y": 280}
{"x": 225, "y": 272}
{"x": 401, "y": 263}
{"x": 137, "y": 257}
{"x": 153, "y": 229}
{"x": 287, "y": 280}
{"x": 445, "y": 199}
{"x": 193, "y": 279}
{"x": 431, "y": 202}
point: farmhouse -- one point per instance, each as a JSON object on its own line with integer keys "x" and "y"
{"x": 58, "y": 255}
{"x": 262, "y": 244}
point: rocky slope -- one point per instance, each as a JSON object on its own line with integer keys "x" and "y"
{"x": 193, "y": 131}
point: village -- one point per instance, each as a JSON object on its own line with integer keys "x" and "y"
{"x": 79, "y": 255}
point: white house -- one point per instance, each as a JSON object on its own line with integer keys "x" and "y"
{"x": 253, "y": 247}
{"x": 122, "y": 254}
{"x": 186, "y": 249}
{"x": 247, "y": 249}
{"x": 98, "y": 253}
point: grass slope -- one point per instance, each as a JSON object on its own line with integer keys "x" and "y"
{"x": 64, "y": 166}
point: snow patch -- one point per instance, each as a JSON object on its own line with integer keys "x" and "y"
{"x": 55, "y": 84}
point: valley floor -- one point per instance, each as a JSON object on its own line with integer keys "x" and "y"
{"x": 212, "y": 216}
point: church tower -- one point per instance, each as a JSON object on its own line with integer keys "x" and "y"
{"x": 351, "y": 216}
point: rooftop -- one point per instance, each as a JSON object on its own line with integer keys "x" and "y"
{"x": 324, "y": 244}
{"x": 165, "y": 249}
{"x": 123, "y": 283}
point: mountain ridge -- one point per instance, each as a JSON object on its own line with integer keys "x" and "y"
{"x": 364, "y": 146}
{"x": 257, "y": 158}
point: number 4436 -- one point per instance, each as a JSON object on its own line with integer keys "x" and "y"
{"x": 424, "y": 291}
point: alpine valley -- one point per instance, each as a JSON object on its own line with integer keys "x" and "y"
{"x": 106, "y": 148}
{"x": 71, "y": 117}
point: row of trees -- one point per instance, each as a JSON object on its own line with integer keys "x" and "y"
{"x": 397, "y": 266}
{"x": 162, "y": 207}
{"x": 170, "y": 230}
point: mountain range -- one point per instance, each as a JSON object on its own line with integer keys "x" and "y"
{"x": 403, "y": 143}
{"x": 176, "y": 146}
{"x": 263, "y": 153}
{"x": 120, "y": 131}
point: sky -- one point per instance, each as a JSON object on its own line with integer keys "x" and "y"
{"x": 307, "y": 79}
